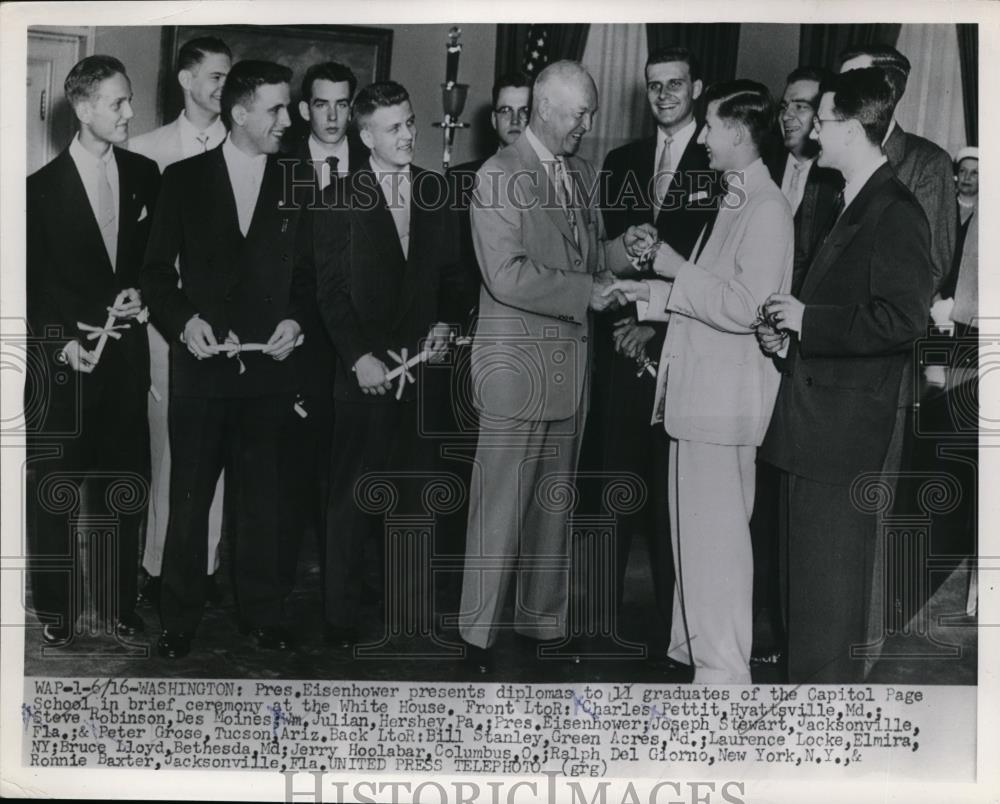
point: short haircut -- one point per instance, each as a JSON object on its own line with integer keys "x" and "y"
{"x": 895, "y": 65}
{"x": 747, "y": 102}
{"x": 808, "y": 73}
{"x": 193, "y": 52}
{"x": 328, "y": 71}
{"x": 866, "y": 96}
{"x": 87, "y": 73}
{"x": 662, "y": 55}
{"x": 513, "y": 79}
{"x": 243, "y": 80}
{"x": 379, "y": 95}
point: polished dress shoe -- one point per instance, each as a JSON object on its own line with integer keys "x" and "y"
{"x": 268, "y": 637}
{"x": 129, "y": 624}
{"x": 173, "y": 644}
{"x": 340, "y": 636}
{"x": 479, "y": 659}
{"x": 56, "y": 634}
{"x": 149, "y": 595}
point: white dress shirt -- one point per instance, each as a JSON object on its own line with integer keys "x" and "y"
{"x": 191, "y": 145}
{"x": 794, "y": 191}
{"x": 395, "y": 186}
{"x": 319, "y": 151}
{"x": 245, "y": 176}
{"x": 88, "y": 166}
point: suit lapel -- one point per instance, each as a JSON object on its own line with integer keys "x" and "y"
{"x": 377, "y": 220}
{"x": 690, "y": 160}
{"x": 127, "y": 192}
{"x": 543, "y": 189}
{"x": 420, "y": 229}
{"x": 844, "y": 230}
{"x": 85, "y": 224}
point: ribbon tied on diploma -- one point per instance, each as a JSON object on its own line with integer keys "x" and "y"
{"x": 405, "y": 363}
{"x": 232, "y": 347}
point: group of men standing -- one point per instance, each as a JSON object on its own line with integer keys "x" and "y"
{"x": 284, "y": 285}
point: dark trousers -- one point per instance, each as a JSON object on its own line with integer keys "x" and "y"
{"x": 381, "y": 437}
{"x": 305, "y": 475}
{"x": 827, "y": 550}
{"x": 98, "y": 467}
{"x": 242, "y": 435}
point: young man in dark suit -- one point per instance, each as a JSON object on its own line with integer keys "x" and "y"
{"x": 227, "y": 215}
{"x": 88, "y": 215}
{"x": 329, "y": 150}
{"x": 844, "y": 340}
{"x": 387, "y": 274}
{"x": 672, "y": 187}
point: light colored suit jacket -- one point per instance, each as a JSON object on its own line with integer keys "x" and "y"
{"x": 162, "y": 145}
{"x": 531, "y": 351}
{"x": 714, "y": 385}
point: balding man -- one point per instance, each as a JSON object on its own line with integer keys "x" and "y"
{"x": 540, "y": 242}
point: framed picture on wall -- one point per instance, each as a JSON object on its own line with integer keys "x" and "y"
{"x": 365, "y": 50}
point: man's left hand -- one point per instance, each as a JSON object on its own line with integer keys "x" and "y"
{"x": 638, "y": 239}
{"x": 667, "y": 262}
{"x": 130, "y": 306}
{"x": 438, "y": 340}
{"x": 282, "y": 342}
{"x": 785, "y": 311}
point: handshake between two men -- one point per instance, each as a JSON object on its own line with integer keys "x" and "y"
{"x": 779, "y": 315}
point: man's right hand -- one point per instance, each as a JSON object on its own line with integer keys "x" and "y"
{"x": 371, "y": 373}
{"x": 78, "y": 358}
{"x": 599, "y": 297}
{"x": 770, "y": 340}
{"x": 199, "y": 338}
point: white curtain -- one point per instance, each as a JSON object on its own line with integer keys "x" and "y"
{"x": 615, "y": 55}
{"x": 932, "y": 105}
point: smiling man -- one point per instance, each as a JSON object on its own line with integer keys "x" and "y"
{"x": 385, "y": 252}
{"x": 224, "y": 216}
{"x": 87, "y": 224}
{"x": 202, "y": 67}
{"x": 715, "y": 389}
{"x": 544, "y": 258}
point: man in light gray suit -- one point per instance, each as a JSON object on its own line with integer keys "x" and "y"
{"x": 202, "y": 66}
{"x": 541, "y": 247}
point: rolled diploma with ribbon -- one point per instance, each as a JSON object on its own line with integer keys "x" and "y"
{"x": 233, "y": 348}
{"x": 405, "y": 364}
{"x": 110, "y": 328}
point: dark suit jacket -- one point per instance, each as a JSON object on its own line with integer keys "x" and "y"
{"x": 814, "y": 217}
{"x": 298, "y": 160}
{"x": 371, "y": 297}
{"x": 69, "y": 277}
{"x": 866, "y": 296}
{"x": 246, "y": 285}
{"x": 926, "y": 169}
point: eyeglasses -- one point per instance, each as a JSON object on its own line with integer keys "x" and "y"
{"x": 510, "y": 112}
{"x": 819, "y": 121}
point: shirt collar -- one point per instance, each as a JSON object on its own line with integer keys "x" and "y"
{"x": 320, "y": 150}
{"x": 681, "y": 137}
{"x": 801, "y": 164}
{"x": 892, "y": 127}
{"x": 748, "y": 178}
{"x": 81, "y": 154}
{"x": 384, "y": 174}
{"x": 543, "y": 153}
{"x": 188, "y": 129}
{"x": 234, "y": 154}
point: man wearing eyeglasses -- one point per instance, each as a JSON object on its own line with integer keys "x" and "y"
{"x": 844, "y": 339}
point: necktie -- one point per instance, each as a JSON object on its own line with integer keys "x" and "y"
{"x": 398, "y": 197}
{"x": 333, "y": 161}
{"x": 564, "y": 195}
{"x": 329, "y": 173}
{"x": 664, "y": 177}
{"x": 106, "y": 215}
{"x": 793, "y": 184}
{"x": 203, "y": 141}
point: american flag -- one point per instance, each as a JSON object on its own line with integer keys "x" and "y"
{"x": 536, "y": 50}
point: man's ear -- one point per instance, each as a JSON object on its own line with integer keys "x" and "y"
{"x": 366, "y": 137}
{"x": 83, "y": 111}
{"x": 304, "y": 110}
{"x": 238, "y": 114}
{"x": 740, "y": 133}
{"x": 696, "y": 88}
{"x": 184, "y": 78}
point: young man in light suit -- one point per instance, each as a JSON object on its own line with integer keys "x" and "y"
{"x": 202, "y": 66}
{"x": 540, "y": 242}
{"x": 715, "y": 389}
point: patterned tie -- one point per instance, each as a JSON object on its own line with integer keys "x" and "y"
{"x": 564, "y": 195}
{"x": 203, "y": 141}
{"x": 106, "y": 215}
{"x": 793, "y": 184}
{"x": 664, "y": 177}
